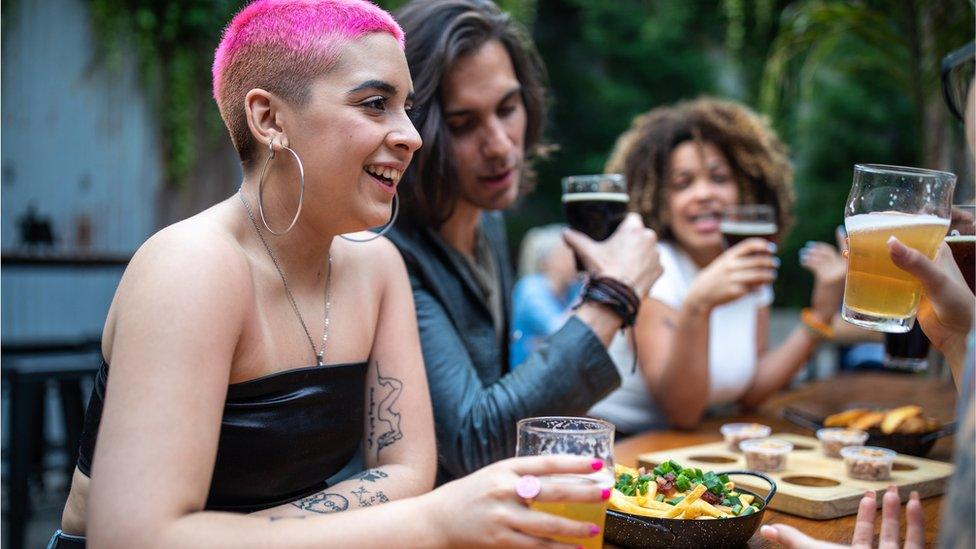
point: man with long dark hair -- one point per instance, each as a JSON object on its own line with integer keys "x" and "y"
{"x": 480, "y": 102}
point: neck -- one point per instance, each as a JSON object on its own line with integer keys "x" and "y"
{"x": 302, "y": 253}
{"x": 460, "y": 229}
{"x": 702, "y": 257}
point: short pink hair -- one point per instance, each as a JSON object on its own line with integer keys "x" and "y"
{"x": 281, "y": 46}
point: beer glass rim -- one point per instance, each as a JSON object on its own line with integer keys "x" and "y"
{"x": 526, "y": 425}
{"x": 886, "y": 169}
{"x": 594, "y": 176}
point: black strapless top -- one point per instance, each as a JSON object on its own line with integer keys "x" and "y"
{"x": 281, "y": 436}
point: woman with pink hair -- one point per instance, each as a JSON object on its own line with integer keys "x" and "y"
{"x": 254, "y": 354}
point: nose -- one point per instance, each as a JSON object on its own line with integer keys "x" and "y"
{"x": 704, "y": 188}
{"x": 405, "y": 136}
{"x": 497, "y": 142}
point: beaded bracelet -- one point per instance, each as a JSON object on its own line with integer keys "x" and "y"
{"x": 813, "y": 325}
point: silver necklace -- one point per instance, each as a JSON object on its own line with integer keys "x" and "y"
{"x": 319, "y": 353}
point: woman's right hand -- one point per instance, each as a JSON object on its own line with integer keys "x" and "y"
{"x": 629, "y": 255}
{"x": 483, "y": 509}
{"x": 738, "y": 271}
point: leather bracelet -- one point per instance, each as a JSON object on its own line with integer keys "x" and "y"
{"x": 813, "y": 325}
{"x": 615, "y": 295}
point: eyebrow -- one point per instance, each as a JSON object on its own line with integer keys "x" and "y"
{"x": 377, "y": 85}
{"x": 507, "y": 96}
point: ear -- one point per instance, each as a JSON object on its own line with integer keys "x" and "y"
{"x": 262, "y": 110}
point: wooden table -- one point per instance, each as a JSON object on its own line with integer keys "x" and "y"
{"x": 937, "y": 397}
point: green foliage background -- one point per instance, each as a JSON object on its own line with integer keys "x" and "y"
{"x": 843, "y": 81}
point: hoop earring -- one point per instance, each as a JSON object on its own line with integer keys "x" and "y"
{"x": 301, "y": 194}
{"x": 385, "y": 229}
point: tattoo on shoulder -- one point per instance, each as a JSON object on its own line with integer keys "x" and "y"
{"x": 371, "y": 475}
{"x": 367, "y": 498}
{"x": 384, "y": 421}
{"x": 323, "y": 503}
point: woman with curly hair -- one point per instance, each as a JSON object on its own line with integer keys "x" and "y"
{"x": 701, "y": 337}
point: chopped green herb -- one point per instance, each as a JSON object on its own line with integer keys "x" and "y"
{"x": 736, "y": 509}
{"x": 682, "y": 483}
{"x": 659, "y": 497}
{"x": 675, "y": 501}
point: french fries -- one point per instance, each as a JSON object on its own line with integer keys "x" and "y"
{"x": 674, "y": 492}
{"x": 904, "y": 420}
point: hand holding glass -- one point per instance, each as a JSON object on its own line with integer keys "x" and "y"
{"x": 594, "y": 204}
{"x": 543, "y": 436}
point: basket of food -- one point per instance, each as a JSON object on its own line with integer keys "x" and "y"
{"x": 905, "y": 429}
{"x": 674, "y": 506}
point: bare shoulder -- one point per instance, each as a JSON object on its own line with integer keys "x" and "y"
{"x": 192, "y": 269}
{"x": 377, "y": 260}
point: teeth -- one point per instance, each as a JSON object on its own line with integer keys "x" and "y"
{"x": 384, "y": 172}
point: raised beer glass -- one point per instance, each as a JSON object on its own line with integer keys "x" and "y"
{"x": 578, "y": 436}
{"x": 910, "y": 204}
{"x": 744, "y": 221}
{"x": 962, "y": 241}
{"x": 595, "y": 204}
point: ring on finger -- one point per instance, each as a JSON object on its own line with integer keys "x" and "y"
{"x": 528, "y": 487}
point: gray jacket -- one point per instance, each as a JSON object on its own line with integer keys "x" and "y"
{"x": 477, "y": 400}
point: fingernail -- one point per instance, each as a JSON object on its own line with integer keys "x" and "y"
{"x": 776, "y": 262}
{"x": 605, "y": 494}
{"x": 913, "y": 495}
{"x": 596, "y": 464}
{"x": 772, "y": 247}
{"x": 895, "y": 247}
{"x": 768, "y": 531}
{"x": 594, "y": 530}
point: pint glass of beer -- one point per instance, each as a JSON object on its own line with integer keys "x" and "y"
{"x": 962, "y": 241}
{"x": 747, "y": 221}
{"x": 577, "y": 436}
{"x": 910, "y": 204}
{"x": 594, "y": 204}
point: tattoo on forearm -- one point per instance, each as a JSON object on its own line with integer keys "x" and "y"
{"x": 371, "y": 475}
{"x": 367, "y": 498}
{"x": 323, "y": 503}
{"x": 272, "y": 519}
{"x": 382, "y": 417}
{"x": 668, "y": 323}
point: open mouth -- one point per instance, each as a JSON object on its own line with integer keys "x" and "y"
{"x": 706, "y": 221}
{"x": 385, "y": 175}
{"x": 497, "y": 178}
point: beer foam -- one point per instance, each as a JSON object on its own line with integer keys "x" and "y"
{"x": 961, "y": 238}
{"x": 887, "y": 220}
{"x": 596, "y": 197}
{"x": 748, "y": 228}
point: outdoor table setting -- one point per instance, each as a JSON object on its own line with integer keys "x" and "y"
{"x": 818, "y": 399}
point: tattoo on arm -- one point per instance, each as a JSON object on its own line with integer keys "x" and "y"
{"x": 382, "y": 417}
{"x": 367, "y": 498}
{"x": 371, "y": 475}
{"x": 668, "y": 323}
{"x": 272, "y": 519}
{"x": 323, "y": 503}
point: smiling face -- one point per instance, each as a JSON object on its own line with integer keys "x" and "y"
{"x": 353, "y": 135}
{"x": 486, "y": 119}
{"x": 700, "y": 185}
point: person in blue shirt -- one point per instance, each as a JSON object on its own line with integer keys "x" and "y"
{"x": 548, "y": 286}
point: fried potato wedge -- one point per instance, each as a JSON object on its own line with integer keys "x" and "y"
{"x": 845, "y": 418}
{"x": 895, "y": 417}
{"x": 867, "y": 421}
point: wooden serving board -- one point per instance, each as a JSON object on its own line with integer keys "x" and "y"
{"x": 813, "y": 485}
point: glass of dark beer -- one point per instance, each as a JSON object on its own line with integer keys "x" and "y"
{"x": 962, "y": 241}
{"x": 744, "y": 221}
{"x": 907, "y": 351}
{"x": 595, "y": 204}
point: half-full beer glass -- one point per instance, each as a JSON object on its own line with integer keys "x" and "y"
{"x": 595, "y": 204}
{"x": 910, "y": 204}
{"x": 578, "y": 436}
{"x": 962, "y": 241}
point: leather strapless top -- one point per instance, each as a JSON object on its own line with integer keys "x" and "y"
{"x": 281, "y": 435}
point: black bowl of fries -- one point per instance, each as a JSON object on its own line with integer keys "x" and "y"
{"x": 694, "y": 512}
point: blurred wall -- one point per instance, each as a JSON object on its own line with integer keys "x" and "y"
{"x": 80, "y": 145}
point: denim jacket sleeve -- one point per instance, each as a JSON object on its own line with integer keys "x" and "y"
{"x": 476, "y": 420}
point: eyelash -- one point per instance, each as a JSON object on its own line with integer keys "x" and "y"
{"x": 375, "y": 103}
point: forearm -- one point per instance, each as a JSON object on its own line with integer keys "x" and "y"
{"x": 680, "y": 389}
{"x": 368, "y": 488}
{"x": 777, "y": 367}
{"x": 403, "y": 524}
{"x": 602, "y": 321}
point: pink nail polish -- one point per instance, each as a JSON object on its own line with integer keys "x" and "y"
{"x": 605, "y": 494}
{"x": 596, "y": 465}
{"x": 594, "y": 530}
